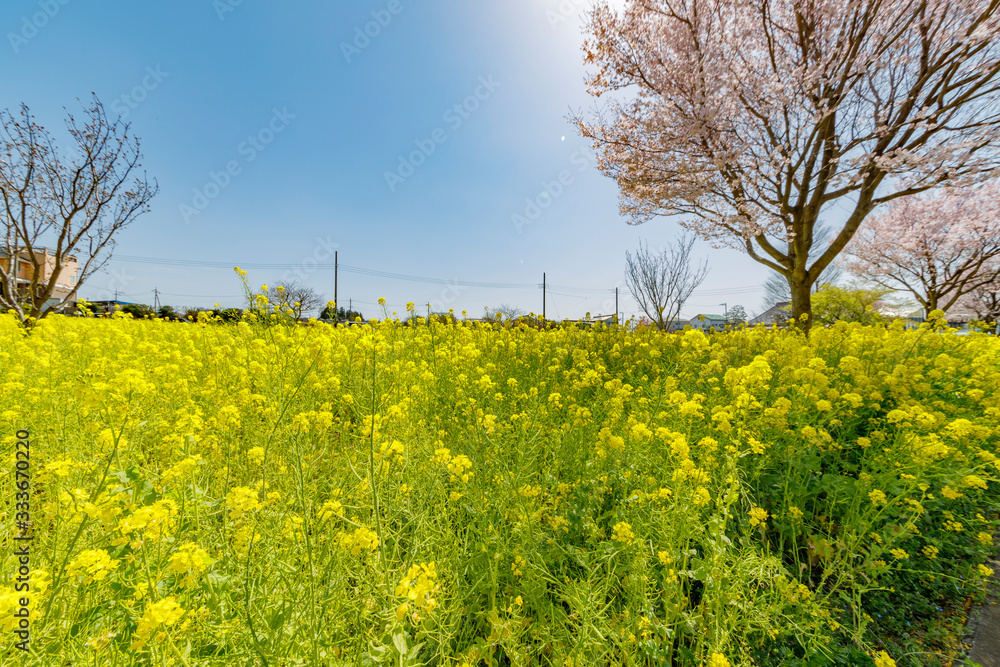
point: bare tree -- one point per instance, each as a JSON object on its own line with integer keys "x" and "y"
{"x": 506, "y": 311}
{"x": 58, "y": 213}
{"x": 736, "y": 316}
{"x": 662, "y": 282}
{"x": 295, "y": 296}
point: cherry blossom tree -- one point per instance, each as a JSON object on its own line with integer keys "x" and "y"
{"x": 984, "y": 301}
{"x": 939, "y": 247}
{"x": 776, "y": 288}
{"x": 753, "y": 119}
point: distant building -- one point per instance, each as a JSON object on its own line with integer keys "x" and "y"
{"x": 776, "y": 314}
{"x": 21, "y": 266}
{"x": 678, "y": 325}
{"x": 956, "y": 319}
{"x": 706, "y": 322}
{"x": 599, "y": 320}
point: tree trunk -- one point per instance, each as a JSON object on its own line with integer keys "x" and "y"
{"x": 801, "y": 304}
{"x": 932, "y": 302}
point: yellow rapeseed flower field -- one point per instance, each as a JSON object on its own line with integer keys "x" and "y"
{"x": 448, "y": 494}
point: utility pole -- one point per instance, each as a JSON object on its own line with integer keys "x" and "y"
{"x": 543, "y": 296}
{"x": 156, "y": 299}
{"x": 336, "y": 317}
{"x": 616, "y": 305}
{"x": 15, "y": 289}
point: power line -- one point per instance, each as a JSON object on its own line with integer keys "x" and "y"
{"x": 566, "y": 290}
{"x": 343, "y": 267}
{"x": 725, "y": 291}
{"x": 205, "y": 296}
{"x": 436, "y": 281}
{"x": 583, "y": 290}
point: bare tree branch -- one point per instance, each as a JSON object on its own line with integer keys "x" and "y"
{"x": 662, "y": 282}
{"x": 74, "y": 209}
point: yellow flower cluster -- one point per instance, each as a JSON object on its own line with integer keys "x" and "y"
{"x": 155, "y": 521}
{"x": 241, "y": 500}
{"x": 190, "y": 560}
{"x": 882, "y": 659}
{"x": 330, "y": 509}
{"x": 162, "y": 614}
{"x": 460, "y": 468}
{"x": 758, "y": 516}
{"x": 92, "y": 565}
{"x": 418, "y": 586}
{"x": 361, "y": 540}
{"x": 9, "y": 605}
{"x": 718, "y": 660}
{"x": 622, "y": 532}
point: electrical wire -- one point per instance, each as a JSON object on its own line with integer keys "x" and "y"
{"x": 562, "y": 290}
{"x": 157, "y": 261}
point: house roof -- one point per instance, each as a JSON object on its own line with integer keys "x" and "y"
{"x": 708, "y": 317}
{"x": 768, "y": 315}
{"x": 951, "y": 316}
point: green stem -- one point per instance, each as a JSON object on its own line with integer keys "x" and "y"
{"x": 371, "y": 475}
{"x": 57, "y": 580}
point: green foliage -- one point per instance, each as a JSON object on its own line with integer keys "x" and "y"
{"x": 344, "y": 315}
{"x": 852, "y": 303}
{"x": 228, "y": 314}
{"x": 138, "y": 310}
{"x": 191, "y": 314}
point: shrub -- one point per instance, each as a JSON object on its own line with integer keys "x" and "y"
{"x": 138, "y": 310}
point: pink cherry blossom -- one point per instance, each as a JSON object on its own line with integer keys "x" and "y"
{"x": 939, "y": 247}
{"x": 755, "y": 119}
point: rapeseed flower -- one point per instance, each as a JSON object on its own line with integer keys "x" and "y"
{"x": 164, "y": 613}
{"x": 758, "y": 516}
{"x": 92, "y": 565}
{"x": 718, "y": 660}
{"x": 622, "y": 532}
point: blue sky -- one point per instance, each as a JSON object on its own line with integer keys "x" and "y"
{"x": 281, "y": 131}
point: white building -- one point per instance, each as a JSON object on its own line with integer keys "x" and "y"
{"x": 705, "y": 322}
